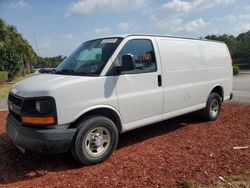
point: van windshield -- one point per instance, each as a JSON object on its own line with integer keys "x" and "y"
{"x": 90, "y": 58}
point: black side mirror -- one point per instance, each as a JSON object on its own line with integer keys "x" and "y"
{"x": 127, "y": 63}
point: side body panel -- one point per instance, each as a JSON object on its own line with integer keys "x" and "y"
{"x": 188, "y": 77}
{"x": 219, "y": 66}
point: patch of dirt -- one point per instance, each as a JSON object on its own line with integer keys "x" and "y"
{"x": 165, "y": 154}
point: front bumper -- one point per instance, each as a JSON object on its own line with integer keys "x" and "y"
{"x": 39, "y": 139}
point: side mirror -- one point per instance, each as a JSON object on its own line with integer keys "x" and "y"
{"x": 127, "y": 63}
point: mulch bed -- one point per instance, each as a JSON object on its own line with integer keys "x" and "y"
{"x": 161, "y": 155}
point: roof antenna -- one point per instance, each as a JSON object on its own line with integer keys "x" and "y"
{"x": 36, "y": 44}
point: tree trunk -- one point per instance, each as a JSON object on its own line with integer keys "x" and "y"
{"x": 23, "y": 68}
{"x": 28, "y": 68}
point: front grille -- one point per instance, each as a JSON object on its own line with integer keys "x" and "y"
{"x": 15, "y": 106}
{"x": 16, "y": 116}
{"x": 15, "y": 100}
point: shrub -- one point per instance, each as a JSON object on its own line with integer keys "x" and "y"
{"x": 236, "y": 70}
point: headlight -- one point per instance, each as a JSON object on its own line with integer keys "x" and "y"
{"x": 44, "y": 106}
{"x": 39, "y": 111}
{"x": 38, "y": 106}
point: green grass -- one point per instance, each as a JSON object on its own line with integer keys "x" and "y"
{"x": 3, "y": 76}
{"x": 242, "y": 181}
{"x": 187, "y": 184}
{"x": 5, "y": 86}
{"x": 4, "y": 89}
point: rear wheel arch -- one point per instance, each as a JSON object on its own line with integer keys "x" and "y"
{"x": 219, "y": 90}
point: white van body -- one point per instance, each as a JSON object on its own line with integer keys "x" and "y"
{"x": 188, "y": 70}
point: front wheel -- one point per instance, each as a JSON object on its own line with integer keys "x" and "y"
{"x": 212, "y": 110}
{"x": 95, "y": 141}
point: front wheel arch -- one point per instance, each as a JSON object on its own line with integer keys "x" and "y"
{"x": 102, "y": 111}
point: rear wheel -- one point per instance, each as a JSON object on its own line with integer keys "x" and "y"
{"x": 212, "y": 110}
{"x": 95, "y": 141}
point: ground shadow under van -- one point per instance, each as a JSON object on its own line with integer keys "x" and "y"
{"x": 15, "y": 166}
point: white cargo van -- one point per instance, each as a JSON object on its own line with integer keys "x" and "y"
{"x": 116, "y": 84}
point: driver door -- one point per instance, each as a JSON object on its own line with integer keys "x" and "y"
{"x": 139, "y": 91}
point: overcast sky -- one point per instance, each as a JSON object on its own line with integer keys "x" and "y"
{"x": 60, "y": 26}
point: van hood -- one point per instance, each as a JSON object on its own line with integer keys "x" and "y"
{"x": 43, "y": 84}
{"x": 73, "y": 94}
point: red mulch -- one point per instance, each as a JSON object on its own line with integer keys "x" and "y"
{"x": 164, "y": 154}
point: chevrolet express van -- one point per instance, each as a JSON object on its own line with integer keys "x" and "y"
{"x": 112, "y": 85}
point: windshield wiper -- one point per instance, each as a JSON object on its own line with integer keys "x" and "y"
{"x": 72, "y": 72}
{"x": 64, "y": 71}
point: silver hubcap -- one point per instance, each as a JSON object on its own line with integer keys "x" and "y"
{"x": 97, "y": 141}
{"x": 214, "y": 108}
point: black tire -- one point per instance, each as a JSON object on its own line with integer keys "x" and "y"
{"x": 72, "y": 149}
{"x": 96, "y": 139}
{"x": 214, "y": 99}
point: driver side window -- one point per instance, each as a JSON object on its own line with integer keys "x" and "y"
{"x": 143, "y": 56}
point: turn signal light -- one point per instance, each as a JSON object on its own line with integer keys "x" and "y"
{"x": 38, "y": 120}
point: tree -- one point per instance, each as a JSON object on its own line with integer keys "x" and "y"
{"x": 9, "y": 58}
{"x": 49, "y": 62}
{"x": 243, "y": 50}
{"x": 239, "y": 46}
{"x": 230, "y": 41}
{"x": 16, "y": 53}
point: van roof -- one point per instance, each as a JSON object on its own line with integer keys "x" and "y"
{"x": 158, "y": 35}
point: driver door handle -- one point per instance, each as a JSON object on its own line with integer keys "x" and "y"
{"x": 159, "y": 80}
